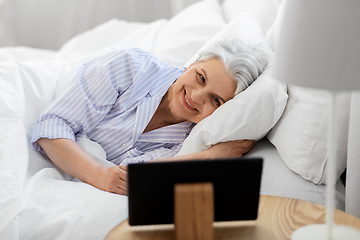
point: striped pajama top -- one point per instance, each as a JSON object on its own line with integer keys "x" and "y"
{"x": 112, "y": 99}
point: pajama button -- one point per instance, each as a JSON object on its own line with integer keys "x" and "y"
{"x": 126, "y": 144}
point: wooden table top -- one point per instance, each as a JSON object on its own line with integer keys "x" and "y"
{"x": 277, "y": 218}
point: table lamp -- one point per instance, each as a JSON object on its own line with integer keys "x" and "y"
{"x": 318, "y": 46}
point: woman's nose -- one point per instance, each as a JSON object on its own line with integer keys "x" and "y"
{"x": 197, "y": 95}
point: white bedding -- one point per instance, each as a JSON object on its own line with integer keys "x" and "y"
{"x": 39, "y": 201}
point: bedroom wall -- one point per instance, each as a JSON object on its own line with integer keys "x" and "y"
{"x": 50, "y": 23}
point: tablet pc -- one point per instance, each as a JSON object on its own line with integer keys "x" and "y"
{"x": 236, "y": 184}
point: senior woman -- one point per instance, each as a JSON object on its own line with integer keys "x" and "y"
{"x": 140, "y": 109}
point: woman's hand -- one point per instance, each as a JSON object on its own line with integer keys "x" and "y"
{"x": 230, "y": 149}
{"x": 69, "y": 157}
{"x": 113, "y": 179}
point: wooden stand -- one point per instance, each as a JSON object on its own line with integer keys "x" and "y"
{"x": 194, "y": 211}
{"x": 278, "y": 218}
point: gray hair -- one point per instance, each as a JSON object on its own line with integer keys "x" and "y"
{"x": 243, "y": 62}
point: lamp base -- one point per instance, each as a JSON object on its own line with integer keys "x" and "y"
{"x": 319, "y": 232}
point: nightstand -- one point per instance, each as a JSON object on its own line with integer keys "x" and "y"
{"x": 277, "y": 218}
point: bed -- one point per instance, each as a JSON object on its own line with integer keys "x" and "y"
{"x": 39, "y": 201}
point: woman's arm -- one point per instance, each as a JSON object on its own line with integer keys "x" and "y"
{"x": 221, "y": 150}
{"x": 69, "y": 157}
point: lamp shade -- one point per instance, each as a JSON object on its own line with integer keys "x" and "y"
{"x": 318, "y": 44}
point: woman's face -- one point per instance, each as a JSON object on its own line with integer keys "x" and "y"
{"x": 200, "y": 90}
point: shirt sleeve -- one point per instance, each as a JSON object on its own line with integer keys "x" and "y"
{"x": 90, "y": 96}
{"x": 150, "y": 155}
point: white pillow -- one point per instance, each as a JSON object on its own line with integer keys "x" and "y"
{"x": 271, "y": 35}
{"x": 184, "y": 34}
{"x": 253, "y": 112}
{"x": 243, "y": 26}
{"x": 301, "y": 134}
{"x": 264, "y": 11}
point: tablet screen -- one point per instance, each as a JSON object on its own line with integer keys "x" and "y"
{"x": 236, "y": 184}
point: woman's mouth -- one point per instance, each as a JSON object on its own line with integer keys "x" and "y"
{"x": 188, "y": 104}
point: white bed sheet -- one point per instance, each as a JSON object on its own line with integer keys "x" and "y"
{"x": 39, "y": 201}
{"x": 279, "y": 180}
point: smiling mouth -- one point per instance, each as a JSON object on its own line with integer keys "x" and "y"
{"x": 187, "y": 101}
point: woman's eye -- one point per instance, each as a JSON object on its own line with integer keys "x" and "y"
{"x": 217, "y": 101}
{"x": 201, "y": 78}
